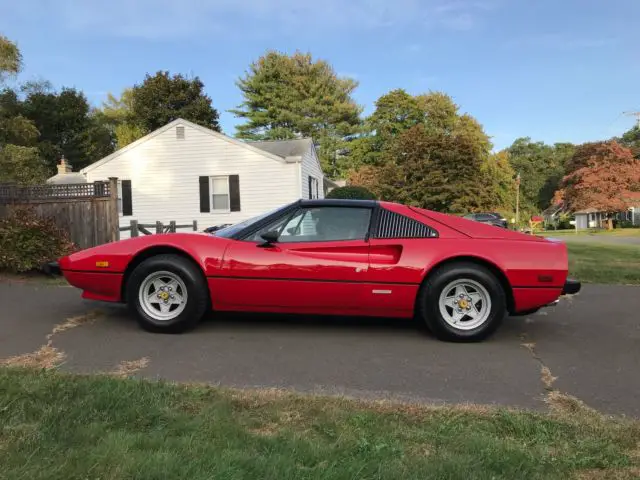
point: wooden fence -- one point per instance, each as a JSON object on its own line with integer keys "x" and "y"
{"x": 137, "y": 228}
{"x": 87, "y": 211}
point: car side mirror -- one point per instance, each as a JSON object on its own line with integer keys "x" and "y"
{"x": 269, "y": 238}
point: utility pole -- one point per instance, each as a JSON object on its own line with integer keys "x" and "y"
{"x": 633, "y": 114}
{"x": 517, "y": 199}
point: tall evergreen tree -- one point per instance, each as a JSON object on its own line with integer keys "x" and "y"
{"x": 287, "y": 96}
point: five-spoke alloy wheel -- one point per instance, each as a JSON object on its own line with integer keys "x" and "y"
{"x": 462, "y": 302}
{"x": 163, "y": 295}
{"x": 168, "y": 293}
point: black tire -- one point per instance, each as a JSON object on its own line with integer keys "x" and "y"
{"x": 197, "y": 293}
{"x": 428, "y": 308}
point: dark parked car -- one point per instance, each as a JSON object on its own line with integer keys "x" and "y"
{"x": 490, "y": 218}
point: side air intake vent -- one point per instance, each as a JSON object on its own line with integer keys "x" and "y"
{"x": 394, "y": 225}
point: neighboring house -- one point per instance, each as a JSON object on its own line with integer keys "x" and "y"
{"x": 552, "y": 214}
{"x": 65, "y": 175}
{"x": 594, "y": 218}
{"x": 185, "y": 172}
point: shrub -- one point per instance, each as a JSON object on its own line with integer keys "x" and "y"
{"x": 351, "y": 193}
{"x": 27, "y": 241}
{"x": 564, "y": 222}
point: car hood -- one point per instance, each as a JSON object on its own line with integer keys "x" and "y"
{"x": 475, "y": 229}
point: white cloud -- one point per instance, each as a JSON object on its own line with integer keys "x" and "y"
{"x": 158, "y": 19}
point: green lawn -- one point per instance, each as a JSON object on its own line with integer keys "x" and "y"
{"x": 57, "y": 426}
{"x": 600, "y": 263}
{"x": 622, "y": 232}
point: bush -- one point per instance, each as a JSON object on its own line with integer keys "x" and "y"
{"x": 351, "y": 193}
{"x": 27, "y": 241}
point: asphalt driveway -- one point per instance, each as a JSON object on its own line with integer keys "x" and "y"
{"x": 591, "y": 343}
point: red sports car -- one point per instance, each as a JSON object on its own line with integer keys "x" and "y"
{"x": 332, "y": 257}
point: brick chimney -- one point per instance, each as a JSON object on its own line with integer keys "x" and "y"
{"x": 64, "y": 167}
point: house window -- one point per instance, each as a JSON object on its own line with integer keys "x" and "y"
{"x": 313, "y": 188}
{"x": 220, "y": 194}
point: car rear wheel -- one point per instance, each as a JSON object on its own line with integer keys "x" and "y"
{"x": 168, "y": 294}
{"x": 462, "y": 302}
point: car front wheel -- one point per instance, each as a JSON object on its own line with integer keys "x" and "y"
{"x": 462, "y": 302}
{"x": 167, "y": 293}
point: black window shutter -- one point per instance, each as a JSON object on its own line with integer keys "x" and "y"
{"x": 310, "y": 189}
{"x": 234, "y": 193}
{"x": 127, "y": 203}
{"x": 205, "y": 203}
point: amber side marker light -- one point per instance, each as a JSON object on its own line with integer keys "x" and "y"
{"x": 102, "y": 264}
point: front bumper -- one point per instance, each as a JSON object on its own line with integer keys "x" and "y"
{"x": 571, "y": 287}
{"x": 52, "y": 268}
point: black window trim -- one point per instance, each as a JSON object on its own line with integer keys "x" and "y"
{"x": 293, "y": 208}
{"x": 296, "y": 207}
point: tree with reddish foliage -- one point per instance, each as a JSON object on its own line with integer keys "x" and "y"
{"x": 603, "y": 176}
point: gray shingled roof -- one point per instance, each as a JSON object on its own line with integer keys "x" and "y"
{"x": 67, "y": 178}
{"x": 284, "y": 148}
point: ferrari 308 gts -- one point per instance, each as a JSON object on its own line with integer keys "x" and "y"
{"x": 332, "y": 257}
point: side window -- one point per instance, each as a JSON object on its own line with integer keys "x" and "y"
{"x": 320, "y": 224}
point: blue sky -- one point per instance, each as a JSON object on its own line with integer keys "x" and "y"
{"x": 560, "y": 70}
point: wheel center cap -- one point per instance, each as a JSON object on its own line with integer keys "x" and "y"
{"x": 164, "y": 295}
{"x": 462, "y": 303}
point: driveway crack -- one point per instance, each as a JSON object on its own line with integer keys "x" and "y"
{"x": 556, "y": 400}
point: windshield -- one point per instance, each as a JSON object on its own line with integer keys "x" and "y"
{"x": 230, "y": 231}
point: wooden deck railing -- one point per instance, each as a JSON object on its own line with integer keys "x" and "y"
{"x": 156, "y": 228}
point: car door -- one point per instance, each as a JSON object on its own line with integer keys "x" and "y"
{"x": 317, "y": 264}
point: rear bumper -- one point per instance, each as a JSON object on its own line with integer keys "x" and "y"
{"x": 571, "y": 287}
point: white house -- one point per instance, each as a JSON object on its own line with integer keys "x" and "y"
{"x": 595, "y": 218}
{"x": 185, "y": 172}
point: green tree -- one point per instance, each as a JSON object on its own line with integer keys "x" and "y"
{"x": 421, "y": 151}
{"x": 501, "y": 180}
{"x": 287, "y": 96}
{"x": 10, "y": 58}
{"x": 631, "y": 140}
{"x": 20, "y": 161}
{"x": 541, "y": 167}
{"x": 437, "y": 171}
{"x": 67, "y": 126}
{"x": 118, "y": 116}
{"x": 351, "y": 192}
{"x": 394, "y": 113}
{"x": 162, "y": 98}
{"x": 21, "y": 165}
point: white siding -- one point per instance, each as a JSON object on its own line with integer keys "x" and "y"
{"x": 311, "y": 168}
{"x": 164, "y": 173}
{"x": 581, "y": 221}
